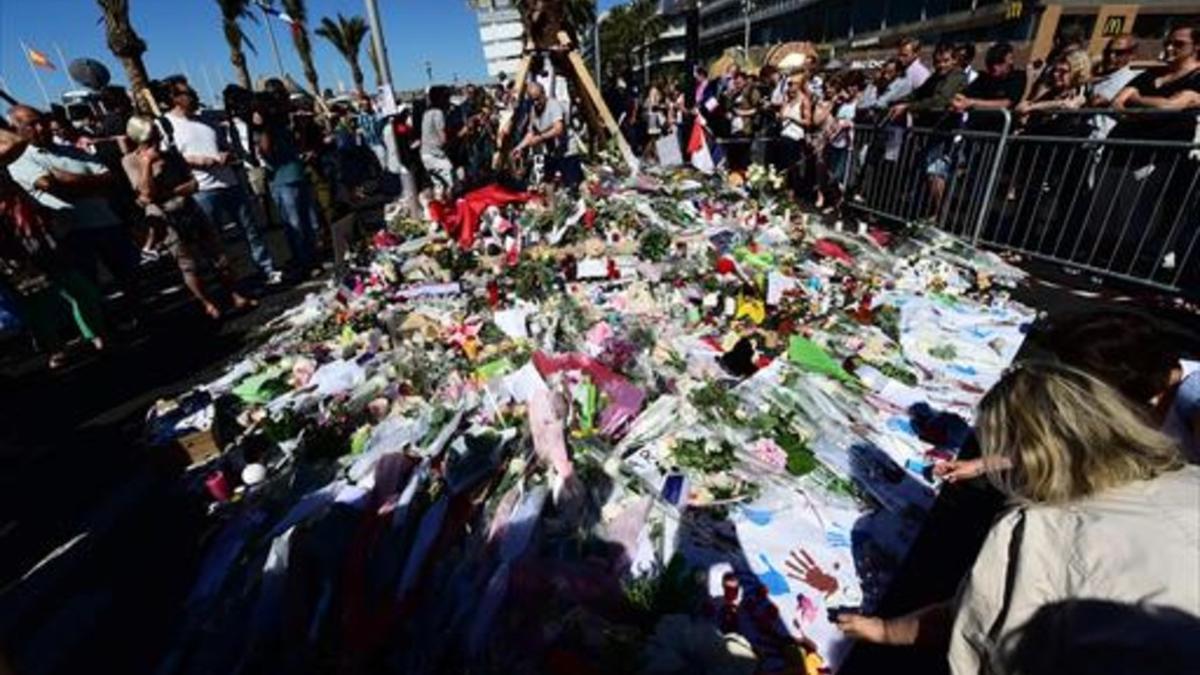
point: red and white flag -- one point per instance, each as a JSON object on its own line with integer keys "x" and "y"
{"x": 698, "y": 148}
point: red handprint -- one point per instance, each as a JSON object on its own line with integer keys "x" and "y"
{"x": 801, "y": 567}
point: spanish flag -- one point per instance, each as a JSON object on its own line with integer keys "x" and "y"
{"x": 39, "y": 59}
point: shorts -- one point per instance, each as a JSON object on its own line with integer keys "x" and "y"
{"x": 192, "y": 238}
{"x": 939, "y": 162}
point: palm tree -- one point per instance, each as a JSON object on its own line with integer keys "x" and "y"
{"x": 126, "y": 45}
{"x": 630, "y": 29}
{"x": 297, "y": 10}
{"x": 346, "y": 36}
{"x": 579, "y": 15}
{"x": 232, "y": 12}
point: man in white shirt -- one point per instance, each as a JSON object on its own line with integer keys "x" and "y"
{"x": 909, "y": 54}
{"x": 891, "y": 86}
{"x": 222, "y": 196}
{"x": 965, "y": 53}
{"x": 75, "y": 188}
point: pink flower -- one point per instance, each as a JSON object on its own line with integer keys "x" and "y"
{"x": 768, "y": 452}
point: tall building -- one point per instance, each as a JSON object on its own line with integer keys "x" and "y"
{"x": 867, "y": 28}
{"x": 669, "y": 52}
{"x": 502, "y": 35}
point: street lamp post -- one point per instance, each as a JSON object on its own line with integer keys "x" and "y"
{"x": 271, "y": 35}
{"x": 600, "y": 19}
{"x": 385, "y": 68}
{"x": 747, "y": 8}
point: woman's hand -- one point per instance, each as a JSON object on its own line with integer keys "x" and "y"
{"x": 870, "y": 629}
{"x": 957, "y": 470}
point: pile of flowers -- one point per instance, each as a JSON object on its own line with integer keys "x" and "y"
{"x": 659, "y": 427}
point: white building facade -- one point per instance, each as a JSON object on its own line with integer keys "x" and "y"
{"x": 501, "y": 34}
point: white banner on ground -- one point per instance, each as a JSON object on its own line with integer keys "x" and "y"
{"x": 669, "y": 154}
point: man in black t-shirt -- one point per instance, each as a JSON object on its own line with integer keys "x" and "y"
{"x": 1000, "y": 87}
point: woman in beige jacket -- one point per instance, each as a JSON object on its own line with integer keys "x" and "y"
{"x": 1104, "y": 508}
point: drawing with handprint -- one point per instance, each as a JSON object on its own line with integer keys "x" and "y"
{"x": 803, "y": 568}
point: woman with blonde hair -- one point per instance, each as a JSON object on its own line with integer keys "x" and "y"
{"x": 795, "y": 117}
{"x": 165, "y": 188}
{"x": 1070, "y": 75}
{"x": 1103, "y": 507}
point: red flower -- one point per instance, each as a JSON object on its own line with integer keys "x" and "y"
{"x": 493, "y": 290}
{"x": 589, "y": 218}
{"x": 725, "y": 266}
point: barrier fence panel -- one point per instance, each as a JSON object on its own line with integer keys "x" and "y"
{"x": 1121, "y": 208}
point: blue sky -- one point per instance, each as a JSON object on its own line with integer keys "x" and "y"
{"x": 186, "y": 35}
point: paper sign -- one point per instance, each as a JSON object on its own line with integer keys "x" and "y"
{"x": 592, "y": 268}
{"x": 512, "y": 322}
{"x": 777, "y": 285}
{"x": 524, "y": 383}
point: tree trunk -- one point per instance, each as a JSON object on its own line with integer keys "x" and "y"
{"x": 304, "y": 49}
{"x": 357, "y": 73}
{"x": 139, "y": 81}
{"x": 240, "y": 69}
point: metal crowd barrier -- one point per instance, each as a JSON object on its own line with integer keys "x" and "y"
{"x": 1055, "y": 190}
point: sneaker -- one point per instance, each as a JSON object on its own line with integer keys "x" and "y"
{"x": 274, "y": 278}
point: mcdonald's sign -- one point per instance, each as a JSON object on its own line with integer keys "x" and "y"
{"x": 1015, "y": 10}
{"x": 1114, "y": 25}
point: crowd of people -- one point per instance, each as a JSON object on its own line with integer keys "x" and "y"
{"x": 93, "y": 198}
{"x": 802, "y": 121}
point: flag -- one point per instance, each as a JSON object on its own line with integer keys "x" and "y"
{"x": 277, "y": 13}
{"x": 705, "y": 156}
{"x": 39, "y": 59}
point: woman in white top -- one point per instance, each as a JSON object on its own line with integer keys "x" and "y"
{"x": 795, "y": 117}
{"x": 1104, "y": 508}
{"x": 654, "y": 112}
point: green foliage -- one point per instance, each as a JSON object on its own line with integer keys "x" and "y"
{"x": 778, "y": 427}
{"x": 533, "y": 279}
{"x": 628, "y": 27}
{"x": 457, "y": 261}
{"x": 887, "y": 318}
{"x": 715, "y": 402}
{"x": 671, "y": 592}
{"x": 655, "y": 244}
{"x": 698, "y": 455}
{"x": 945, "y": 352}
{"x": 897, "y": 373}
